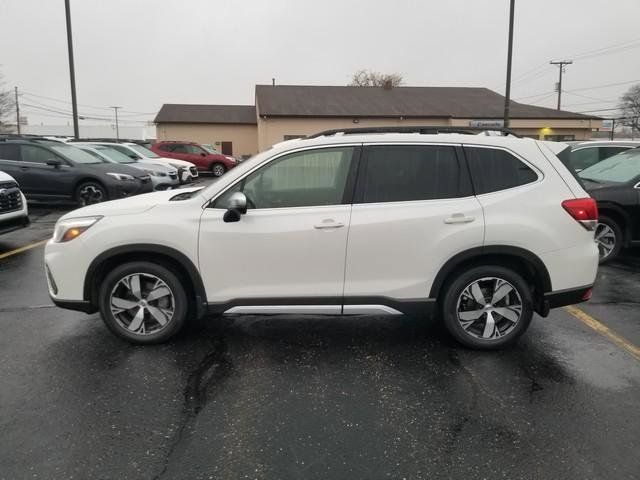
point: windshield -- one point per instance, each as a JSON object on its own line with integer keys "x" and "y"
{"x": 75, "y": 154}
{"x": 620, "y": 168}
{"x": 114, "y": 155}
{"x": 210, "y": 149}
{"x": 145, "y": 152}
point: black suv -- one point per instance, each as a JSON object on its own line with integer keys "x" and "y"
{"x": 49, "y": 170}
{"x": 615, "y": 184}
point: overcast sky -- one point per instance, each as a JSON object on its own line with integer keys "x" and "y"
{"x": 139, "y": 54}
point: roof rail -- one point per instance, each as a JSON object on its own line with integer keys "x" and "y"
{"x": 22, "y": 136}
{"x": 423, "y": 130}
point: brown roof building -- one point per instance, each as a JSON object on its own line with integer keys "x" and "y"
{"x": 286, "y": 111}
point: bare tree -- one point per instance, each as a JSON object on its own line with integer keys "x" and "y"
{"x": 6, "y": 106}
{"x": 369, "y": 78}
{"x": 630, "y": 107}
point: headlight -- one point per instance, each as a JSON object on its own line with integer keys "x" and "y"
{"x": 67, "y": 230}
{"x": 121, "y": 176}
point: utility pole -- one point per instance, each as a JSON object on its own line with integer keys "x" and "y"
{"x": 507, "y": 93}
{"x": 72, "y": 72}
{"x": 561, "y": 64}
{"x": 613, "y": 127}
{"x": 17, "y": 110}
{"x": 117, "y": 130}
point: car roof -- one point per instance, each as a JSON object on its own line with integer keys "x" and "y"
{"x": 607, "y": 143}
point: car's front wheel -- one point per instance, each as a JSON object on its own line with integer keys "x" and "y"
{"x": 487, "y": 307}
{"x": 218, "y": 169}
{"x": 143, "y": 302}
{"x": 90, "y": 192}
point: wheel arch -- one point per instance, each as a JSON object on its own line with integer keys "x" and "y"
{"x": 161, "y": 254}
{"x": 617, "y": 214}
{"x": 523, "y": 261}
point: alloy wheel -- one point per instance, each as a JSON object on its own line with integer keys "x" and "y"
{"x": 142, "y": 303}
{"x": 90, "y": 194}
{"x": 606, "y": 240}
{"x": 218, "y": 170}
{"x": 489, "y": 308}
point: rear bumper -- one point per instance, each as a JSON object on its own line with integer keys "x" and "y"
{"x": 570, "y": 296}
{"x": 77, "y": 305}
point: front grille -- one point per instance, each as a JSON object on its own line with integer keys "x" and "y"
{"x": 194, "y": 171}
{"x": 10, "y": 199}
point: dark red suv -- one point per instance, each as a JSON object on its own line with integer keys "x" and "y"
{"x": 192, "y": 152}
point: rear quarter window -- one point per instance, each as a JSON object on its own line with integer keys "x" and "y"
{"x": 493, "y": 170}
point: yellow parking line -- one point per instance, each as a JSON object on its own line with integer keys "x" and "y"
{"x": 22, "y": 249}
{"x": 605, "y": 331}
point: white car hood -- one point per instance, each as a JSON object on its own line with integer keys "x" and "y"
{"x": 128, "y": 206}
{"x": 173, "y": 161}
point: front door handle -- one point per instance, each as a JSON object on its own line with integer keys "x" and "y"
{"x": 328, "y": 224}
{"x": 459, "y": 218}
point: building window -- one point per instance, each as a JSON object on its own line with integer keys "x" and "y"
{"x": 560, "y": 138}
{"x": 293, "y": 137}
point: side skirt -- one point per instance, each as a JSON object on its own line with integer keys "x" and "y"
{"x": 325, "y": 306}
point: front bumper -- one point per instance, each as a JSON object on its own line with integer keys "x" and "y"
{"x": 15, "y": 223}
{"x": 124, "y": 189}
{"x": 17, "y": 217}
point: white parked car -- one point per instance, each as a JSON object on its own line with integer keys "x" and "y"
{"x": 163, "y": 176}
{"x": 483, "y": 230}
{"x": 187, "y": 171}
{"x": 14, "y": 213}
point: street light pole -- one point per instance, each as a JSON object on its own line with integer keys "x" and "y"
{"x": 507, "y": 90}
{"x": 72, "y": 73}
{"x": 17, "y": 110}
{"x": 117, "y": 129}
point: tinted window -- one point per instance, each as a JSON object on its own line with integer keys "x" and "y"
{"x": 75, "y": 154}
{"x": 33, "y": 154}
{"x": 179, "y": 148}
{"x": 125, "y": 151}
{"x": 303, "y": 179}
{"x": 194, "y": 149}
{"x": 411, "y": 172}
{"x": 493, "y": 170}
{"x": 9, "y": 151}
{"x": 583, "y": 158}
{"x": 164, "y": 147}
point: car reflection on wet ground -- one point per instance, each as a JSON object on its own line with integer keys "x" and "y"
{"x": 313, "y": 397}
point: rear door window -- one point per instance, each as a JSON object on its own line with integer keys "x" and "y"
{"x": 33, "y": 154}
{"x": 400, "y": 173}
{"x": 493, "y": 170}
{"x": 584, "y": 158}
{"x": 9, "y": 151}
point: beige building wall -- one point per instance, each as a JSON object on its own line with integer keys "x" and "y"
{"x": 244, "y": 138}
{"x": 273, "y": 129}
{"x": 581, "y": 129}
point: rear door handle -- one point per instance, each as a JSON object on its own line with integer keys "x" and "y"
{"x": 459, "y": 218}
{"x": 328, "y": 224}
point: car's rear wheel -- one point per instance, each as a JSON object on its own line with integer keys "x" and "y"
{"x": 90, "y": 192}
{"x": 218, "y": 169}
{"x": 609, "y": 238}
{"x": 487, "y": 307}
{"x": 143, "y": 302}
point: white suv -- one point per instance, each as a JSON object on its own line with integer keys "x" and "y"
{"x": 14, "y": 213}
{"x": 484, "y": 230}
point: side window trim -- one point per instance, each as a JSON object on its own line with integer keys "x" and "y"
{"x": 351, "y": 176}
{"x": 533, "y": 168}
{"x": 358, "y": 197}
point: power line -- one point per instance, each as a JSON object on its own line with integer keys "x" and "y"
{"x": 31, "y": 94}
{"x": 561, "y": 64}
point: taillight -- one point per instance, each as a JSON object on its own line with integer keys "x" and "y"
{"x": 583, "y": 210}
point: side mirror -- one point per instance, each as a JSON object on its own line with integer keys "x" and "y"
{"x": 237, "y": 207}
{"x": 203, "y": 154}
{"x": 54, "y": 162}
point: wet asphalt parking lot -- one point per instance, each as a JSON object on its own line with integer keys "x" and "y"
{"x": 314, "y": 398}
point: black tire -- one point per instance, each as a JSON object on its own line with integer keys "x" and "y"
{"x": 180, "y": 303}
{"x": 510, "y": 333}
{"x": 218, "y": 169}
{"x": 90, "y": 192}
{"x": 617, "y": 240}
